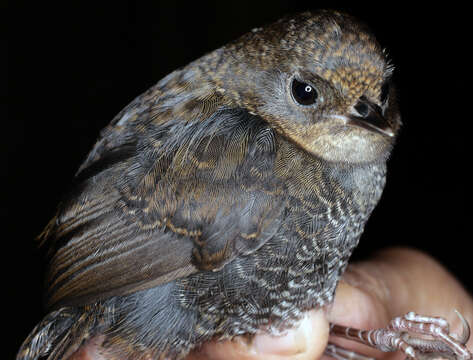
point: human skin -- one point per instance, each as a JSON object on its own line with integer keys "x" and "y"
{"x": 392, "y": 283}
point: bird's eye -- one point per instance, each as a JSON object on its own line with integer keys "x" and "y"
{"x": 303, "y": 93}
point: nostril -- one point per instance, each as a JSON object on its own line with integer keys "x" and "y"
{"x": 362, "y": 108}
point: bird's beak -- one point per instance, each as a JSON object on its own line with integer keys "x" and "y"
{"x": 369, "y": 116}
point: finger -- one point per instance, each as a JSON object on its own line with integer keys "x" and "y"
{"x": 393, "y": 283}
{"x": 306, "y": 342}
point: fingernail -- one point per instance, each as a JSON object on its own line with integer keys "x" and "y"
{"x": 312, "y": 329}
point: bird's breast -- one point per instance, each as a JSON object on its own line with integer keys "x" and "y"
{"x": 296, "y": 270}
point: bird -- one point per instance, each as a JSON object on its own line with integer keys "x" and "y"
{"x": 225, "y": 199}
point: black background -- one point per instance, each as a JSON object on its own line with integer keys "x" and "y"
{"x": 72, "y": 68}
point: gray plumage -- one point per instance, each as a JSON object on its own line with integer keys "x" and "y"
{"x": 226, "y": 198}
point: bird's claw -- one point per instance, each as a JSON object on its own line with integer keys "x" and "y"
{"x": 419, "y": 337}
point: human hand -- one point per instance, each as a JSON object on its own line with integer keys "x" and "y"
{"x": 370, "y": 294}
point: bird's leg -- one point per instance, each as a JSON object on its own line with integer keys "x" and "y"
{"x": 432, "y": 339}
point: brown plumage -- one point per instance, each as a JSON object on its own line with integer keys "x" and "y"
{"x": 227, "y": 197}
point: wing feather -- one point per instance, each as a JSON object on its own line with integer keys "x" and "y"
{"x": 166, "y": 191}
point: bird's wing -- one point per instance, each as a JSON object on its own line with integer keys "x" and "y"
{"x": 176, "y": 184}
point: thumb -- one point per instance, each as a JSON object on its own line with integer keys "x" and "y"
{"x": 393, "y": 283}
{"x": 306, "y": 342}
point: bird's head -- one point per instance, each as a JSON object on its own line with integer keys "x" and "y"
{"x": 319, "y": 79}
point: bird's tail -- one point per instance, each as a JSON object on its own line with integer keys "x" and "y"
{"x": 58, "y": 335}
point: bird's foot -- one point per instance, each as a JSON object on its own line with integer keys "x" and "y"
{"x": 418, "y": 337}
